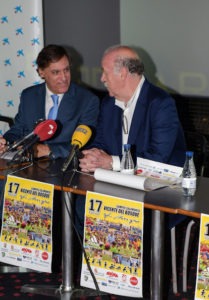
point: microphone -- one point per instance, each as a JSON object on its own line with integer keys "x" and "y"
{"x": 40, "y": 131}
{"x": 43, "y": 131}
{"x": 80, "y": 137}
{"x": 20, "y": 142}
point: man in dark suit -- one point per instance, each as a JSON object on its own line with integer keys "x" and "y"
{"x": 76, "y": 105}
{"x": 138, "y": 113}
{"x": 135, "y": 112}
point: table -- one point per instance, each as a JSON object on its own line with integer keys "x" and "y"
{"x": 159, "y": 201}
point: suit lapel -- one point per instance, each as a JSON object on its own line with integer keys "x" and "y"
{"x": 138, "y": 116}
{"x": 68, "y": 100}
{"x": 116, "y": 129}
{"x": 41, "y": 101}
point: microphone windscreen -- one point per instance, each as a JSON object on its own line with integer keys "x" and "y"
{"x": 45, "y": 129}
{"x": 81, "y": 136}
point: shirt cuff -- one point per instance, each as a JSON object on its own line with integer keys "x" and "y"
{"x": 115, "y": 163}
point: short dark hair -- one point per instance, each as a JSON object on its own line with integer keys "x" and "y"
{"x": 51, "y": 54}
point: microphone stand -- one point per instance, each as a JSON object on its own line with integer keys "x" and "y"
{"x": 15, "y": 166}
{"x": 75, "y": 160}
{"x": 75, "y": 167}
{"x": 19, "y": 158}
{"x": 23, "y": 158}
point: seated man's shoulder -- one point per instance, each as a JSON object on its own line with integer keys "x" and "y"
{"x": 158, "y": 95}
{"x": 158, "y": 91}
{"x": 33, "y": 88}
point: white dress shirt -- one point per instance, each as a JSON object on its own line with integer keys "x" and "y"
{"x": 128, "y": 111}
{"x": 49, "y": 102}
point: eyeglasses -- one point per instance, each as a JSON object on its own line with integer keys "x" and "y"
{"x": 125, "y": 124}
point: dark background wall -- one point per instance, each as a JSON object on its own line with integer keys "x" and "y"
{"x": 171, "y": 36}
{"x": 87, "y": 28}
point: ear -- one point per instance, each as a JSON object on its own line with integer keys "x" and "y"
{"x": 40, "y": 73}
{"x": 123, "y": 73}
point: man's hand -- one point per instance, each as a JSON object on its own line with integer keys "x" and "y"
{"x": 95, "y": 158}
{"x": 41, "y": 150}
{"x": 3, "y": 144}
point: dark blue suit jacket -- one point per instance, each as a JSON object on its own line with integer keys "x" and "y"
{"x": 155, "y": 132}
{"x": 78, "y": 106}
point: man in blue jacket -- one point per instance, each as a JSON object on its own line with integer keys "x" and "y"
{"x": 138, "y": 113}
{"x": 76, "y": 105}
{"x": 135, "y": 112}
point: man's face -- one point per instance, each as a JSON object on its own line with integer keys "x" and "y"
{"x": 110, "y": 78}
{"x": 57, "y": 76}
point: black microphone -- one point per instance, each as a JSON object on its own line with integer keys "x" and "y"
{"x": 43, "y": 131}
{"x": 20, "y": 142}
{"x": 80, "y": 137}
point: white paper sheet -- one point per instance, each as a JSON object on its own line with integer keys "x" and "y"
{"x": 10, "y": 155}
{"x": 132, "y": 181}
{"x": 154, "y": 169}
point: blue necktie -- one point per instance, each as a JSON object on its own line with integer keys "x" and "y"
{"x": 53, "y": 110}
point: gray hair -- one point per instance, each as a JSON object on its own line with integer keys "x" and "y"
{"x": 133, "y": 64}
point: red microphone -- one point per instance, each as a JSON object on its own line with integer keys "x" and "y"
{"x": 43, "y": 131}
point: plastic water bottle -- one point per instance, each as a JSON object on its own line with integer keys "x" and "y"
{"x": 127, "y": 164}
{"x": 189, "y": 177}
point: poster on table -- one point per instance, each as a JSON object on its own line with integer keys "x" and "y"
{"x": 202, "y": 280}
{"x": 113, "y": 240}
{"x": 26, "y": 234}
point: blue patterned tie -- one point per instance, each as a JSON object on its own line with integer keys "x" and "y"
{"x": 53, "y": 110}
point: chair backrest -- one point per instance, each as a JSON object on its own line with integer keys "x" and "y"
{"x": 5, "y": 123}
{"x": 197, "y": 143}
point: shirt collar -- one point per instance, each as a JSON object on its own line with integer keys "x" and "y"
{"x": 49, "y": 93}
{"x": 133, "y": 98}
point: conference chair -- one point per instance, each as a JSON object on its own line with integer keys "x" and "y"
{"x": 197, "y": 143}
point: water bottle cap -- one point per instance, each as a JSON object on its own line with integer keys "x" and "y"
{"x": 127, "y": 147}
{"x": 189, "y": 153}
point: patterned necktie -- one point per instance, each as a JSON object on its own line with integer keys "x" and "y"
{"x": 53, "y": 110}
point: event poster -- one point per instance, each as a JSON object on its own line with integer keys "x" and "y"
{"x": 202, "y": 281}
{"x": 26, "y": 234}
{"x": 113, "y": 240}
